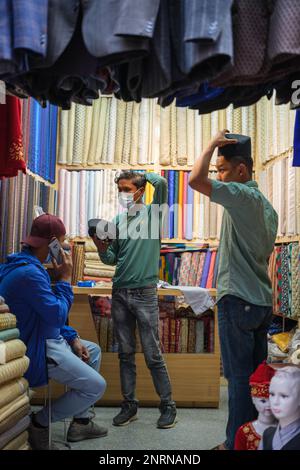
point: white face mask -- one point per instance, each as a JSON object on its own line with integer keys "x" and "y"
{"x": 127, "y": 199}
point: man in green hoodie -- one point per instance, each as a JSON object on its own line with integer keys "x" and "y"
{"x": 136, "y": 252}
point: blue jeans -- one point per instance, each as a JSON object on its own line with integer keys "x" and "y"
{"x": 131, "y": 308}
{"x": 243, "y": 331}
{"x": 85, "y": 384}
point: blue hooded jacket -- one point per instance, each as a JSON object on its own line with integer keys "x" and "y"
{"x": 40, "y": 310}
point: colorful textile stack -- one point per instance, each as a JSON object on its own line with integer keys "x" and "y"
{"x": 40, "y": 138}
{"x": 112, "y": 131}
{"x": 190, "y": 268}
{"x": 93, "y": 266}
{"x": 14, "y": 400}
{"x": 18, "y": 196}
{"x": 284, "y": 272}
{"x": 180, "y": 331}
{"x": 95, "y": 195}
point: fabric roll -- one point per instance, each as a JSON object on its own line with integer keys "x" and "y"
{"x": 176, "y": 202}
{"x": 201, "y": 217}
{"x": 88, "y": 124}
{"x": 70, "y": 134}
{"x": 291, "y": 199}
{"x": 63, "y": 136}
{"x": 91, "y": 194}
{"x": 120, "y": 130}
{"x": 74, "y": 210}
{"x": 181, "y": 136}
{"x": 189, "y": 211}
{"x": 209, "y": 283}
{"x": 102, "y": 130}
{"x": 229, "y": 118}
{"x": 205, "y": 269}
{"x": 284, "y": 297}
{"x": 214, "y": 123}
{"x": 165, "y": 136}
{"x": 112, "y": 131}
{"x": 13, "y": 369}
{"x": 15, "y": 431}
{"x": 186, "y": 259}
{"x": 90, "y": 246}
{"x": 173, "y": 135}
{"x": 192, "y": 335}
{"x": 10, "y": 350}
{"x": 206, "y": 130}
{"x": 135, "y": 134}
{"x": 171, "y": 202}
{"x": 7, "y": 321}
{"x": 61, "y": 194}
{"x": 105, "y": 144}
{"x": 4, "y": 308}
{"x": 13, "y": 406}
{"x": 199, "y": 345}
{"x": 295, "y": 284}
{"x": 198, "y": 135}
{"x": 13, "y": 418}
{"x": 237, "y": 121}
{"x": 143, "y": 133}
{"x": 17, "y": 442}
{"x": 92, "y": 153}
{"x": 127, "y": 133}
{"x": 12, "y": 390}
{"x": 206, "y": 217}
{"x": 79, "y": 134}
{"x": 184, "y": 204}
{"x": 297, "y": 202}
{"x": 190, "y": 137}
{"x": 194, "y": 269}
{"x": 196, "y": 215}
{"x": 200, "y": 268}
{"x": 82, "y": 205}
{"x": 184, "y": 335}
{"x": 67, "y": 202}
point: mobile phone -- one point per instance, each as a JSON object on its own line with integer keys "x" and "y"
{"x": 54, "y": 248}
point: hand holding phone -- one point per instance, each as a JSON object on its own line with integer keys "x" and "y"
{"x": 62, "y": 262}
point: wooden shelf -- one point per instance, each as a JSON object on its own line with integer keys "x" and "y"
{"x": 42, "y": 180}
{"x": 288, "y": 239}
{"x": 107, "y": 290}
{"x": 123, "y": 166}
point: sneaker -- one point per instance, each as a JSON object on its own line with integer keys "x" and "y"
{"x": 39, "y": 438}
{"x": 79, "y": 432}
{"x": 167, "y": 418}
{"x": 127, "y": 414}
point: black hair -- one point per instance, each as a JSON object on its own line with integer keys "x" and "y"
{"x": 246, "y": 160}
{"x": 138, "y": 179}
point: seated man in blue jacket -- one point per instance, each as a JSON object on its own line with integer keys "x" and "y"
{"x": 54, "y": 349}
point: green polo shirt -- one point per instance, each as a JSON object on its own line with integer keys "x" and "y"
{"x": 136, "y": 252}
{"x": 248, "y": 233}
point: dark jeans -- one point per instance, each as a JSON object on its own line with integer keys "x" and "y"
{"x": 139, "y": 307}
{"x": 243, "y": 339}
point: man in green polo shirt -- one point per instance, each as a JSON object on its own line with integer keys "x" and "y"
{"x": 136, "y": 253}
{"x": 244, "y": 292}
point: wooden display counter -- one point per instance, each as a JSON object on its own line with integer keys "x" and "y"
{"x": 195, "y": 378}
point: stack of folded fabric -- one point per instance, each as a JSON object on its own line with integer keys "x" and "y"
{"x": 93, "y": 266}
{"x": 14, "y": 400}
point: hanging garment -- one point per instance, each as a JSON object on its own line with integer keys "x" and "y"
{"x": 11, "y": 146}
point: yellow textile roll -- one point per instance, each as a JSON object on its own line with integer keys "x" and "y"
{"x": 173, "y": 135}
{"x": 91, "y": 159}
{"x": 105, "y": 138}
{"x": 127, "y": 133}
{"x": 206, "y": 130}
{"x": 12, "y": 349}
{"x": 79, "y": 133}
{"x": 71, "y": 133}
{"x": 182, "y": 136}
{"x": 190, "y": 136}
{"x": 88, "y": 124}
{"x": 120, "y": 129}
{"x": 134, "y": 134}
{"x": 12, "y": 390}
{"x": 63, "y": 118}
{"x": 17, "y": 442}
{"x": 13, "y": 406}
{"x": 13, "y": 369}
{"x": 7, "y": 320}
{"x": 165, "y": 136}
{"x": 101, "y": 127}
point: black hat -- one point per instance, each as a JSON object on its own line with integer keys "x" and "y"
{"x": 241, "y": 149}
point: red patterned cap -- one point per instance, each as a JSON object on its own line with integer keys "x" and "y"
{"x": 260, "y": 380}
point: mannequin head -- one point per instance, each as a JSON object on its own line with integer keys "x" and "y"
{"x": 263, "y": 407}
{"x": 285, "y": 395}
